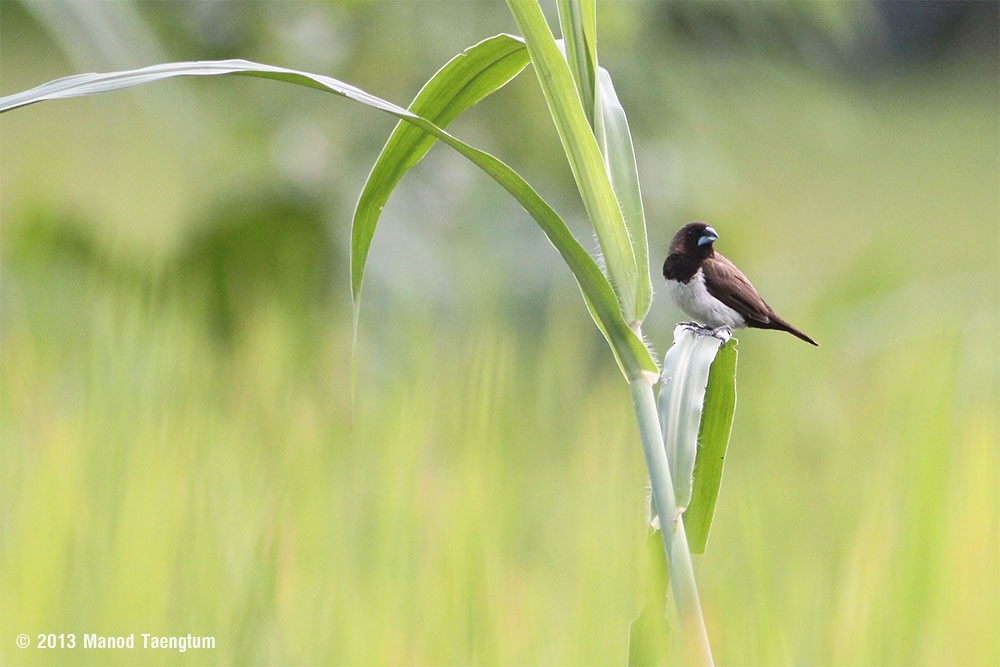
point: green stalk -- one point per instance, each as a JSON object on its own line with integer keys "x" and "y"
{"x": 693, "y": 636}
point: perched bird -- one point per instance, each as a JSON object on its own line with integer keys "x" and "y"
{"x": 710, "y": 288}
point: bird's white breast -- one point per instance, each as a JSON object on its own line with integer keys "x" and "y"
{"x": 694, "y": 299}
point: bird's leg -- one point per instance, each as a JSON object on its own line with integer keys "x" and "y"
{"x": 723, "y": 333}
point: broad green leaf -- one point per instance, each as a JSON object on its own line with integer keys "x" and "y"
{"x": 713, "y": 438}
{"x": 632, "y": 354}
{"x": 615, "y": 141}
{"x": 682, "y": 395}
{"x": 578, "y": 19}
{"x": 461, "y": 83}
{"x": 585, "y": 160}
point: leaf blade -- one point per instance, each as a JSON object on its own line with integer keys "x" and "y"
{"x": 461, "y": 83}
{"x": 585, "y": 160}
{"x": 634, "y": 358}
{"x": 578, "y": 19}
{"x": 714, "y": 432}
{"x": 615, "y": 141}
{"x": 686, "y": 369}
{"x": 630, "y": 351}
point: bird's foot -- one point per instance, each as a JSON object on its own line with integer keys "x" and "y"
{"x": 723, "y": 333}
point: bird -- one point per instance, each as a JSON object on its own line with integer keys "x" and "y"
{"x": 709, "y": 288}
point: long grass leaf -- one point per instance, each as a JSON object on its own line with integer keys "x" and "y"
{"x": 615, "y": 141}
{"x": 631, "y": 352}
{"x": 79, "y": 85}
{"x": 585, "y": 160}
{"x": 578, "y": 20}
{"x": 465, "y": 80}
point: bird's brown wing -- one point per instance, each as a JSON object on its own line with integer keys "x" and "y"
{"x": 728, "y": 284}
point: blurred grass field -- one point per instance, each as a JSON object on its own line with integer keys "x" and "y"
{"x": 179, "y": 450}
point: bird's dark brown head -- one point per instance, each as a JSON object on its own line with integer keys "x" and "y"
{"x": 694, "y": 239}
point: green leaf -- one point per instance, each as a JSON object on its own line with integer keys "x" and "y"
{"x": 585, "y": 160}
{"x": 465, "y": 80}
{"x": 615, "y": 141}
{"x": 79, "y": 85}
{"x": 682, "y": 395}
{"x": 632, "y": 354}
{"x": 713, "y": 438}
{"x": 578, "y": 19}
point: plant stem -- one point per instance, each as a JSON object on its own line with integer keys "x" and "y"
{"x": 693, "y": 634}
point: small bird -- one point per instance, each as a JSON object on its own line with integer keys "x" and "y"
{"x": 710, "y": 288}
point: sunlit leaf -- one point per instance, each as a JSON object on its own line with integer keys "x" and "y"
{"x": 585, "y": 160}
{"x": 629, "y": 349}
{"x": 461, "y": 83}
{"x": 682, "y": 395}
{"x": 578, "y": 19}
{"x": 615, "y": 141}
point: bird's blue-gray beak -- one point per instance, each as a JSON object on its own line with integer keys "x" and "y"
{"x": 707, "y": 236}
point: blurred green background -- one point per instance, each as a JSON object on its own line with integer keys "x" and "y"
{"x": 179, "y": 451}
